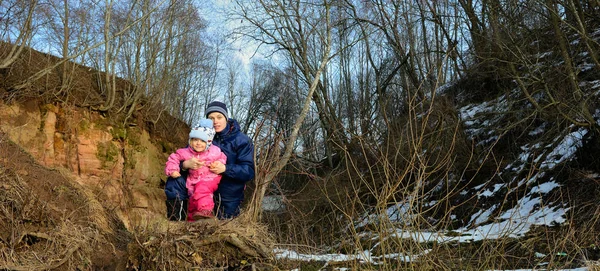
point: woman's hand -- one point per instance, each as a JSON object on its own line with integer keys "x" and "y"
{"x": 217, "y": 167}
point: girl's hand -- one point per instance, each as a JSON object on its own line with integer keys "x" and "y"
{"x": 193, "y": 163}
{"x": 175, "y": 174}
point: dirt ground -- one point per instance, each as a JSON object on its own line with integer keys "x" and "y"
{"x": 47, "y": 221}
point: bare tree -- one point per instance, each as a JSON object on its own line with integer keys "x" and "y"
{"x": 261, "y": 89}
{"x": 17, "y": 28}
{"x": 62, "y": 32}
{"x": 303, "y": 30}
{"x": 388, "y": 18}
{"x": 297, "y": 28}
{"x": 233, "y": 94}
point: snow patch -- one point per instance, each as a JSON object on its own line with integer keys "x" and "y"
{"x": 564, "y": 151}
{"x": 273, "y": 203}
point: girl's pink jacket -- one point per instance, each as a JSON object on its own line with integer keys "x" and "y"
{"x": 195, "y": 176}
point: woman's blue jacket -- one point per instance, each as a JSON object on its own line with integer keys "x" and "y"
{"x": 240, "y": 161}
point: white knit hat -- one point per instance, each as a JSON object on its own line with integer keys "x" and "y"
{"x": 204, "y": 131}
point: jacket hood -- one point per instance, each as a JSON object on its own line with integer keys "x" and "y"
{"x": 232, "y": 128}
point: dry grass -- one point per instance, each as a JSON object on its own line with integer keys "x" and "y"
{"x": 41, "y": 234}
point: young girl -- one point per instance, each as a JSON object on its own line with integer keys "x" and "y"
{"x": 201, "y": 183}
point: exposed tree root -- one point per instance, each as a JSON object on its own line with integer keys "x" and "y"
{"x": 44, "y": 266}
{"x": 39, "y": 235}
{"x": 231, "y": 238}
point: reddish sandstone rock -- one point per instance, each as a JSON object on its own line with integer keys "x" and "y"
{"x": 68, "y": 138}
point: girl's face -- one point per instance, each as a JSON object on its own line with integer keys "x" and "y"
{"x": 219, "y": 121}
{"x": 198, "y": 144}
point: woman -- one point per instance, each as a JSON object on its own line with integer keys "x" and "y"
{"x": 239, "y": 167}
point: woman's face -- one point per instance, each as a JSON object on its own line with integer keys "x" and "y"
{"x": 219, "y": 121}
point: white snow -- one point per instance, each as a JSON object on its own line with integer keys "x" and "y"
{"x": 564, "y": 151}
{"x": 273, "y": 203}
{"x": 544, "y": 188}
{"x": 488, "y": 193}
{"x": 481, "y": 216}
{"x": 538, "y": 130}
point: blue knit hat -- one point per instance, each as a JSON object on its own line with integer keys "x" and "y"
{"x": 204, "y": 131}
{"x": 216, "y": 106}
{"x": 200, "y": 134}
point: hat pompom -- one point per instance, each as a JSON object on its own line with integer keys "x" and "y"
{"x": 205, "y": 123}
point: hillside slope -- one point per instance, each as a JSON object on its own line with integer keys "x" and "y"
{"x": 499, "y": 170}
{"x": 82, "y": 188}
{"x": 120, "y": 160}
